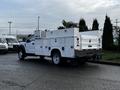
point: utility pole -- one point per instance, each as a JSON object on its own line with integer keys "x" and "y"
{"x": 118, "y": 32}
{"x": 116, "y": 26}
{"x": 116, "y": 21}
{"x": 38, "y": 22}
{"x": 10, "y": 27}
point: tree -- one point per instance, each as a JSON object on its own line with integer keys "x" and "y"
{"x": 64, "y": 23}
{"x": 61, "y": 27}
{"x": 69, "y": 24}
{"x": 117, "y": 36}
{"x": 95, "y": 25}
{"x": 107, "y": 41}
{"x": 119, "y": 40}
{"x": 82, "y": 25}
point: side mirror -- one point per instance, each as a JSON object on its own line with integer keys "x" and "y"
{"x": 28, "y": 41}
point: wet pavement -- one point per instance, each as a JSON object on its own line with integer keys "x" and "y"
{"x": 32, "y": 74}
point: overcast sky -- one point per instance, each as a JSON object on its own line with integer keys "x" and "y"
{"x": 23, "y": 13}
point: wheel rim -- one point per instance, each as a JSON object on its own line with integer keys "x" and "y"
{"x": 56, "y": 59}
{"x": 20, "y": 55}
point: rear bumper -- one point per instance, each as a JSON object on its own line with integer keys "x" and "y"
{"x": 87, "y": 53}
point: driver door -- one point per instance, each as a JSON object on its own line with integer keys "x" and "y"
{"x": 30, "y": 46}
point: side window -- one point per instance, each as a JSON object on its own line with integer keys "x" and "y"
{"x": 30, "y": 38}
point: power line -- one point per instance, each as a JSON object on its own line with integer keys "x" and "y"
{"x": 116, "y": 21}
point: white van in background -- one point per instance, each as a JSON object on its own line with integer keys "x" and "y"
{"x": 12, "y": 42}
{"x": 3, "y": 45}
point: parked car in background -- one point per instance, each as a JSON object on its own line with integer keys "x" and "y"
{"x": 12, "y": 42}
{"x": 3, "y": 45}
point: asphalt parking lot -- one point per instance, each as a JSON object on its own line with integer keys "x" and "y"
{"x": 32, "y": 74}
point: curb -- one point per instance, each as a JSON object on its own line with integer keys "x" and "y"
{"x": 105, "y": 62}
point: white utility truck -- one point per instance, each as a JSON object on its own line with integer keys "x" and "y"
{"x": 64, "y": 43}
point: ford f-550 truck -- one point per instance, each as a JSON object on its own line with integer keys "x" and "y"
{"x": 65, "y": 43}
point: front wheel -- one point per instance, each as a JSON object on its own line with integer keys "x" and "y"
{"x": 21, "y": 54}
{"x": 56, "y": 58}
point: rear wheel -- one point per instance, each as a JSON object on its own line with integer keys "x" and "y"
{"x": 21, "y": 54}
{"x": 56, "y": 58}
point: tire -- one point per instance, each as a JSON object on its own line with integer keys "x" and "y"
{"x": 21, "y": 54}
{"x": 56, "y": 58}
